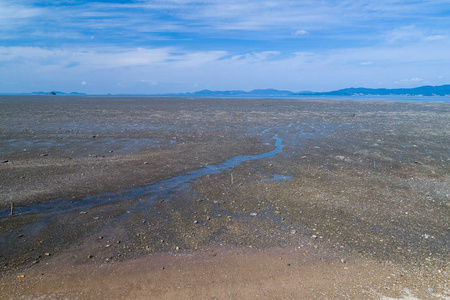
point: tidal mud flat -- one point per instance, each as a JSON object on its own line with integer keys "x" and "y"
{"x": 319, "y": 199}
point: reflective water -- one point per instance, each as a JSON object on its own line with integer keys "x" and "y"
{"x": 151, "y": 193}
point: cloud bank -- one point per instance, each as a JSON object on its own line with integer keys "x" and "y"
{"x": 178, "y": 46}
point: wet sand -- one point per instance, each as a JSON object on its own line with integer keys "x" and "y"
{"x": 356, "y": 204}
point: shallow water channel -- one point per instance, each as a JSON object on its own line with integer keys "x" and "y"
{"x": 152, "y": 192}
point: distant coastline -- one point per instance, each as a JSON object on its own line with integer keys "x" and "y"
{"x": 442, "y": 90}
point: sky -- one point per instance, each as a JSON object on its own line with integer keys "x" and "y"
{"x": 171, "y": 46}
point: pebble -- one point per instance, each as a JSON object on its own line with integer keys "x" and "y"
{"x": 43, "y": 154}
{"x": 314, "y": 236}
{"x": 343, "y": 261}
{"x": 4, "y": 161}
{"x": 253, "y": 214}
{"x": 107, "y": 246}
{"x": 195, "y": 221}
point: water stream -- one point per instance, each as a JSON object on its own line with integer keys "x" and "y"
{"x": 151, "y": 192}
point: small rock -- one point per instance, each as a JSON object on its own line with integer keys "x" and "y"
{"x": 314, "y": 236}
{"x": 83, "y": 212}
{"x": 47, "y": 254}
{"x": 107, "y": 246}
{"x": 43, "y": 154}
{"x": 343, "y": 261}
{"x": 253, "y": 214}
{"x": 195, "y": 221}
{"x": 145, "y": 163}
{"x": 340, "y": 157}
{"x": 4, "y": 161}
{"x": 277, "y": 212}
{"x": 162, "y": 268}
{"x": 293, "y": 231}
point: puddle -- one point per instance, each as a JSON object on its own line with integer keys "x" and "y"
{"x": 277, "y": 177}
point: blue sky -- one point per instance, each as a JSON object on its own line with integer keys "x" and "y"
{"x": 100, "y": 47}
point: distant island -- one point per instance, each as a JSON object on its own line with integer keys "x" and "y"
{"x": 442, "y": 90}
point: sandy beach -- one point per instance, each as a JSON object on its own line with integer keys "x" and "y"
{"x": 178, "y": 198}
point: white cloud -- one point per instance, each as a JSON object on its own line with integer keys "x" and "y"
{"x": 410, "y": 80}
{"x": 177, "y": 43}
{"x": 404, "y": 34}
{"x": 301, "y": 32}
{"x": 12, "y": 13}
{"x": 435, "y": 37}
{"x": 105, "y": 58}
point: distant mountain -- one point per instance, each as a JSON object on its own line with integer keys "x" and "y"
{"x": 443, "y": 90}
{"x": 258, "y": 92}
